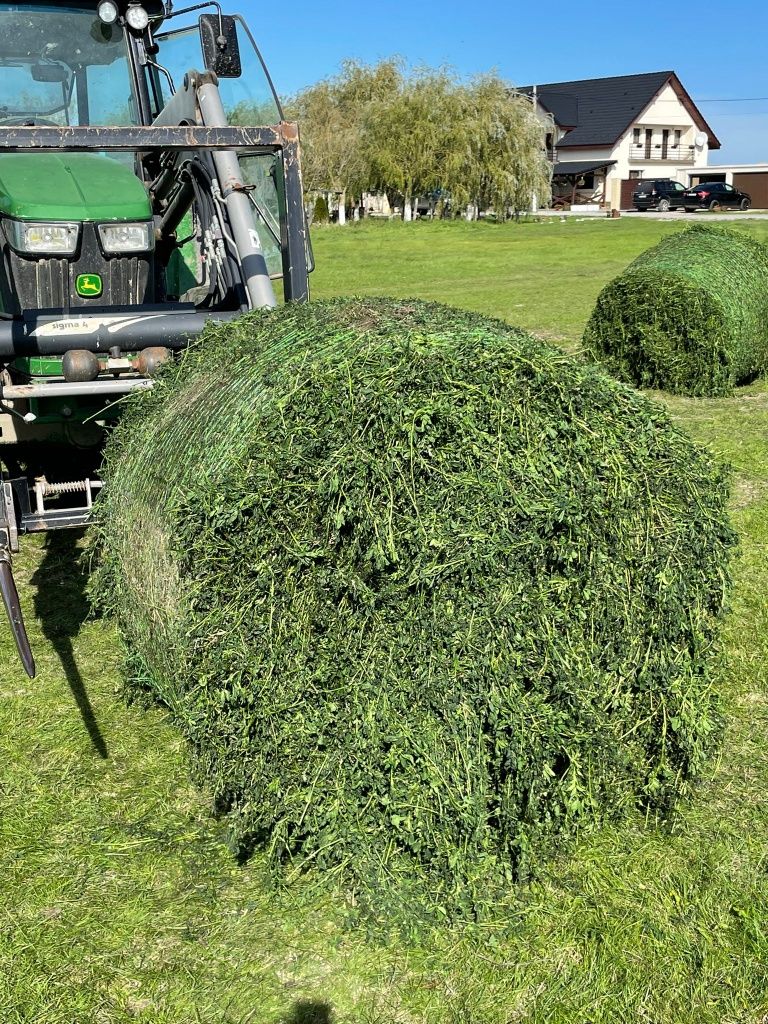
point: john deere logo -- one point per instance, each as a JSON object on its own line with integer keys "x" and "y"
{"x": 88, "y": 286}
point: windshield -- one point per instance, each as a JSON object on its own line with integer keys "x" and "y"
{"x": 59, "y": 64}
{"x": 248, "y": 99}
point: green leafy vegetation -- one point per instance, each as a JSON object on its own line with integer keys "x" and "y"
{"x": 123, "y": 903}
{"x": 320, "y": 215}
{"x": 689, "y": 316}
{"x": 418, "y": 132}
{"x": 422, "y": 591}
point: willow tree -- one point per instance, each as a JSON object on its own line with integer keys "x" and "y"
{"x": 410, "y": 138}
{"x": 505, "y": 164}
{"x": 331, "y": 115}
{"x": 411, "y": 134}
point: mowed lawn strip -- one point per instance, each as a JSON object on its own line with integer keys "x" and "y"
{"x": 120, "y": 901}
{"x": 543, "y": 276}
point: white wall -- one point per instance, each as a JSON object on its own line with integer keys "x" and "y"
{"x": 665, "y": 111}
{"x": 728, "y": 170}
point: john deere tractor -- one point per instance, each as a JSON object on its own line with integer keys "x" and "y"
{"x": 148, "y": 183}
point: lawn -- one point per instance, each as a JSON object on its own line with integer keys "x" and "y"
{"x": 543, "y": 276}
{"x": 120, "y": 899}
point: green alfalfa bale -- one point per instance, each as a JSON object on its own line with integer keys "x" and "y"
{"x": 423, "y": 593}
{"x": 688, "y": 316}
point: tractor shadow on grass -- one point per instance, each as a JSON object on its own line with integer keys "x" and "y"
{"x": 61, "y": 607}
{"x": 307, "y": 1011}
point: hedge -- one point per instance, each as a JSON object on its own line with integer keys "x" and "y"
{"x": 688, "y": 316}
{"x": 424, "y": 594}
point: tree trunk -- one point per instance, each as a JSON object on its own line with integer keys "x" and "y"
{"x": 343, "y": 208}
{"x": 407, "y": 215}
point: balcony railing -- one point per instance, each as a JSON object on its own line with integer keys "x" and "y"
{"x": 658, "y": 151}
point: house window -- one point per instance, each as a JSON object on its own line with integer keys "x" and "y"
{"x": 636, "y": 137}
{"x": 676, "y": 143}
{"x": 648, "y": 142}
{"x": 635, "y": 174}
{"x": 549, "y": 142}
{"x": 665, "y": 144}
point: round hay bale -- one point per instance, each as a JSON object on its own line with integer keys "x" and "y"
{"x": 422, "y": 592}
{"x": 688, "y": 316}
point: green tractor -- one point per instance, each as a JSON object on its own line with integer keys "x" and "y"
{"x": 148, "y": 182}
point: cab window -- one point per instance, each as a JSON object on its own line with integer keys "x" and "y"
{"x": 248, "y": 100}
{"x": 62, "y": 66}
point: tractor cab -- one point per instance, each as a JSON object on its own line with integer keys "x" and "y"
{"x": 148, "y": 183}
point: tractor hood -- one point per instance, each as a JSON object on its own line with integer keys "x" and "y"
{"x": 70, "y": 186}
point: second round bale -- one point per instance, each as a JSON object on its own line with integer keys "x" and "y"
{"x": 422, "y": 592}
{"x": 689, "y": 316}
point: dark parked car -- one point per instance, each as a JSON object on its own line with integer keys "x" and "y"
{"x": 711, "y": 195}
{"x": 660, "y": 194}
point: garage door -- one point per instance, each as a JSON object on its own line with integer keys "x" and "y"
{"x": 756, "y": 185}
{"x": 628, "y": 186}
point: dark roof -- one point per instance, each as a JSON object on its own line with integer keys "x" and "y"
{"x": 578, "y": 167}
{"x": 563, "y": 106}
{"x": 599, "y": 110}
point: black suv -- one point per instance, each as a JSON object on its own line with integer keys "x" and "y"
{"x": 711, "y": 195}
{"x": 660, "y": 194}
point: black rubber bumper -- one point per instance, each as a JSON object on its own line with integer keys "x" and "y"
{"x": 131, "y": 331}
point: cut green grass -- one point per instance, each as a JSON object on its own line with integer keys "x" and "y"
{"x": 355, "y": 589}
{"x": 689, "y": 315}
{"x": 120, "y": 900}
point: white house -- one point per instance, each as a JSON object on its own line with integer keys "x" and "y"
{"x": 611, "y": 131}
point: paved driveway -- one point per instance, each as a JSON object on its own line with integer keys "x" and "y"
{"x": 702, "y": 215}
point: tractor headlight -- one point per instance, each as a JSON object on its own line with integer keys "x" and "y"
{"x": 137, "y": 17}
{"x": 57, "y": 239}
{"x": 116, "y": 238}
{"x": 108, "y": 11}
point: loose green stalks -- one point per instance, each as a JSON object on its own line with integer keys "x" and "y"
{"x": 688, "y": 316}
{"x": 425, "y": 595}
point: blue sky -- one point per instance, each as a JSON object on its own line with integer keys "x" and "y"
{"x": 719, "y": 50}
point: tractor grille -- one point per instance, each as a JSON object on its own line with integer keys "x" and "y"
{"x": 29, "y": 283}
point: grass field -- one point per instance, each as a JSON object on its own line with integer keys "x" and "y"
{"x": 121, "y": 901}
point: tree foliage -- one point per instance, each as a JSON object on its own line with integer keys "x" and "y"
{"x": 424, "y": 131}
{"x": 505, "y": 164}
{"x": 330, "y": 115}
{"x": 411, "y": 140}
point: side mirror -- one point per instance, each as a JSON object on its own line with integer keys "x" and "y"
{"x": 221, "y": 49}
{"x": 49, "y": 73}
